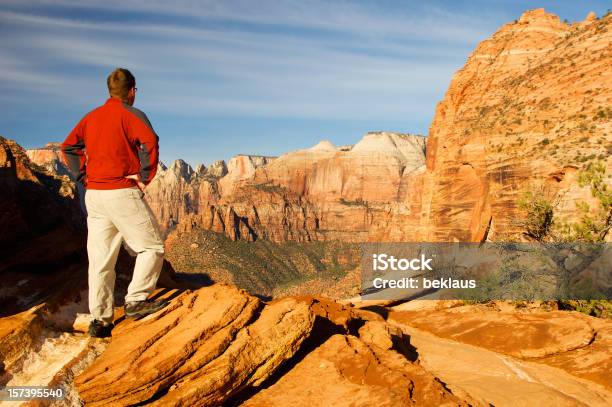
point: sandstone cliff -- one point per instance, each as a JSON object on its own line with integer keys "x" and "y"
{"x": 319, "y": 193}
{"x": 41, "y": 225}
{"x": 50, "y": 158}
{"x": 529, "y": 108}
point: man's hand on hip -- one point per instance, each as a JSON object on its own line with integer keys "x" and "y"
{"x": 136, "y": 178}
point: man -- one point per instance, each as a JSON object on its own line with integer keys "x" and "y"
{"x": 113, "y": 151}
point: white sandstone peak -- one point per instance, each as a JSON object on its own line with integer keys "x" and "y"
{"x": 218, "y": 169}
{"x": 408, "y": 148}
{"x": 182, "y": 169}
{"x": 324, "y": 145}
{"x": 200, "y": 169}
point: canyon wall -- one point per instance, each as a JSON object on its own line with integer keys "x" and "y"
{"x": 42, "y": 230}
{"x": 530, "y": 107}
{"x": 319, "y": 193}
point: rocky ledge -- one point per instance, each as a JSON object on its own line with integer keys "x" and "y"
{"x": 218, "y": 345}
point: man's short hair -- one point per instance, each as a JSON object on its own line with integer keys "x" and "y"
{"x": 119, "y": 82}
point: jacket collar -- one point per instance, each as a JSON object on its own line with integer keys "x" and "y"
{"x": 113, "y": 100}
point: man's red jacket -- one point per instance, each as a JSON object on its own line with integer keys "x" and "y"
{"x": 109, "y": 143}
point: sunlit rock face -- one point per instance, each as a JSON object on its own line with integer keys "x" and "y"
{"x": 218, "y": 345}
{"x": 322, "y": 192}
{"x": 49, "y": 157}
{"x": 239, "y": 168}
{"x": 318, "y": 193}
{"x": 523, "y": 113}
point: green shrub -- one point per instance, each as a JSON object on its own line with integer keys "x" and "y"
{"x": 539, "y": 217}
{"x": 594, "y": 308}
{"x": 593, "y": 226}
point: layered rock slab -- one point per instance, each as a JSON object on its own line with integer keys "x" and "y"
{"x": 17, "y": 333}
{"x": 492, "y": 378}
{"x": 592, "y": 362}
{"x": 345, "y": 371}
{"x": 525, "y": 334}
{"x": 504, "y": 355}
{"x": 203, "y": 348}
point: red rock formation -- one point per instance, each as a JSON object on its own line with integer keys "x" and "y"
{"x": 241, "y": 167}
{"x": 313, "y": 194}
{"x": 39, "y": 212}
{"x": 345, "y": 370}
{"x": 50, "y": 158}
{"x": 199, "y": 351}
{"x": 560, "y": 355}
{"x": 524, "y": 108}
{"x": 219, "y": 343}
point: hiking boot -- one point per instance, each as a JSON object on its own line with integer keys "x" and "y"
{"x": 98, "y": 329}
{"x": 140, "y": 309}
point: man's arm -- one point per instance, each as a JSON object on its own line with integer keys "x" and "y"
{"x": 148, "y": 145}
{"x": 73, "y": 149}
{"x": 148, "y": 153}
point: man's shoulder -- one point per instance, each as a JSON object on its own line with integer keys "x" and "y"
{"x": 135, "y": 111}
{"x": 138, "y": 113}
{"x": 93, "y": 111}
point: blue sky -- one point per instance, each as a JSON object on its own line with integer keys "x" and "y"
{"x": 219, "y": 78}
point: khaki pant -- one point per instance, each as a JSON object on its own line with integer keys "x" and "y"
{"x": 112, "y": 216}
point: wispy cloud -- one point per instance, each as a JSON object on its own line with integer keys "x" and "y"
{"x": 237, "y": 60}
{"x": 242, "y": 70}
{"x": 414, "y": 19}
{"x": 19, "y": 76}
